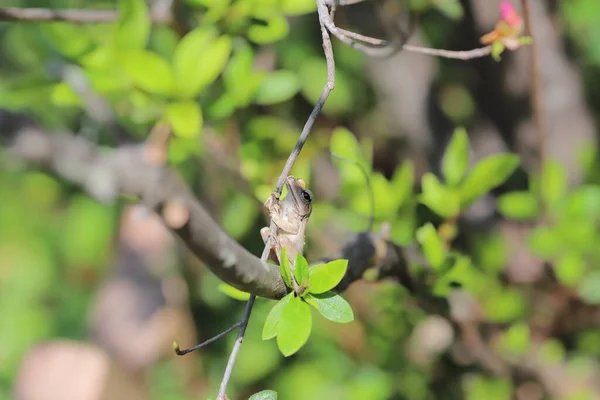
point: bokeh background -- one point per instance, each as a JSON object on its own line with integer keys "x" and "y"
{"x": 92, "y": 295}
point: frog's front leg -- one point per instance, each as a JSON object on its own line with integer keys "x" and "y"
{"x": 265, "y": 233}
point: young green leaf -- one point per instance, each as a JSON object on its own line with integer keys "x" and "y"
{"x": 148, "y": 71}
{"x": 233, "y": 292}
{"x": 439, "y": 199}
{"x": 402, "y": 183}
{"x": 133, "y": 28}
{"x": 332, "y": 306}
{"x": 497, "y": 50}
{"x": 294, "y": 326}
{"x": 271, "y": 326}
{"x": 264, "y": 395}
{"x": 324, "y": 277}
{"x": 185, "y": 117}
{"x": 301, "y": 270}
{"x": 192, "y": 73}
{"x": 456, "y": 157}
{"x": 277, "y": 87}
{"x": 486, "y": 175}
{"x": 433, "y": 248}
{"x": 553, "y": 183}
{"x": 344, "y": 144}
{"x": 519, "y": 205}
{"x": 284, "y": 268}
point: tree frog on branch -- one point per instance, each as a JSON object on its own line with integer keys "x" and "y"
{"x": 290, "y": 215}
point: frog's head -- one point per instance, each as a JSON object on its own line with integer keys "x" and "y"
{"x": 301, "y": 196}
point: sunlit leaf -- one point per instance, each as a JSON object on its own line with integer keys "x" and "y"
{"x": 433, "y": 247}
{"x": 273, "y": 28}
{"x": 298, "y": 7}
{"x": 264, "y": 395}
{"x": 590, "y": 288}
{"x": 332, "y": 306}
{"x": 294, "y": 326}
{"x": 402, "y": 183}
{"x": 553, "y": 182}
{"x": 277, "y": 87}
{"x": 438, "y": 198}
{"x": 569, "y": 269}
{"x": 486, "y": 175}
{"x": 133, "y": 28}
{"x": 456, "y": 157}
{"x": 185, "y": 118}
{"x": 301, "y": 270}
{"x": 324, "y": 277}
{"x": 233, "y": 292}
{"x": 148, "y": 71}
{"x": 199, "y": 59}
{"x": 271, "y": 326}
{"x": 518, "y": 205}
{"x": 284, "y": 268}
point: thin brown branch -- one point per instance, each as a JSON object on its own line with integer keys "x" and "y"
{"x": 459, "y": 55}
{"x": 330, "y": 84}
{"x": 536, "y": 88}
{"x": 91, "y": 16}
{"x": 382, "y": 44}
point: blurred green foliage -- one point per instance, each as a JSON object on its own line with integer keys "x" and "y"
{"x": 247, "y": 72}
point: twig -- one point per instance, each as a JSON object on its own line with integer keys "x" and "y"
{"x": 536, "y": 88}
{"x": 459, "y": 55}
{"x": 206, "y": 342}
{"x": 323, "y": 14}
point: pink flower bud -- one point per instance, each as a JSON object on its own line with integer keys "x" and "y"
{"x": 509, "y": 14}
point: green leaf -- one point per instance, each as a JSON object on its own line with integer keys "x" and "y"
{"x": 518, "y": 205}
{"x": 148, "y": 71}
{"x": 272, "y": 29}
{"x": 553, "y": 183}
{"x": 504, "y": 306}
{"x": 450, "y": 8}
{"x": 402, "y": 183}
{"x": 344, "y": 144}
{"x": 516, "y": 339}
{"x": 332, "y": 306}
{"x": 233, "y": 292}
{"x": 433, "y": 248}
{"x": 239, "y": 214}
{"x": 133, "y": 28}
{"x": 199, "y": 59}
{"x": 456, "y": 157}
{"x": 185, "y": 118}
{"x": 64, "y": 95}
{"x": 497, "y": 50}
{"x": 301, "y": 270}
{"x": 488, "y": 173}
{"x": 313, "y": 76}
{"x": 239, "y": 77}
{"x": 284, "y": 268}
{"x": 438, "y": 198}
{"x": 590, "y": 288}
{"x": 569, "y": 269}
{"x": 271, "y": 326}
{"x": 298, "y": 7}
{"x": 264, "y": 395}
{"x": 277, "y": 87}
{"x": 294, "y": 326}
{"x": 324, "y": 277}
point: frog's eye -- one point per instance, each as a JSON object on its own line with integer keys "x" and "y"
{"x": 307, "y": 196}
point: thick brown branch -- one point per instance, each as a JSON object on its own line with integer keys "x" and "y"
{"x": 106, "y": 174}
{"x": 92, "y": 16}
